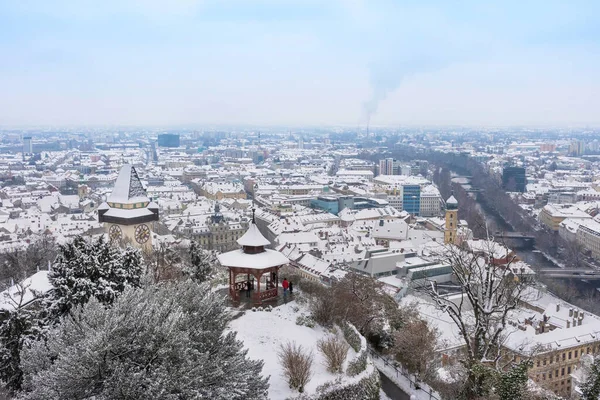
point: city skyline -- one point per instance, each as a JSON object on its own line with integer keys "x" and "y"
{"x": 299, "y": 63}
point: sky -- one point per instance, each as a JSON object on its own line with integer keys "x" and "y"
{"x": 299, "y": 62}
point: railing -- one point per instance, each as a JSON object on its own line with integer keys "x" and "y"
{"x": 267, "y": 294}
{"x": 414, "y": 383}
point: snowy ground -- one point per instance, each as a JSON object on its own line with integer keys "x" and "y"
{"x": 262, "y": 332}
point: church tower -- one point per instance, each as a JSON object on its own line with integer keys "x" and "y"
{"x": 128, "y": 214}
{"x": 451, "y": 226}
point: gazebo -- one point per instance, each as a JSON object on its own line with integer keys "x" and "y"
{"x": 253, "y": 268}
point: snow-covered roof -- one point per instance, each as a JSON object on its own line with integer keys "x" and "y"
{"x": 452, "y": 200}
{"x": 128, "y": 213}
{"x": 253, "y": 237}
{"x": 266, "y": 259}
{"x": 24, "y": 292}
{"x": 128, "y": 188}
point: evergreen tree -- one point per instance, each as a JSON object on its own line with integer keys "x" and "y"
{"x": 84, "y": 270}
{"x": 590, "y": 389}
{"x": 512, "y": 384}
{"x": 201, "y": 262}
{"x": 15, "y": 327}
{"x": 168, "y": 341}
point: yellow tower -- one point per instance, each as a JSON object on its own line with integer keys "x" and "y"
{"x": 451, "y": 226}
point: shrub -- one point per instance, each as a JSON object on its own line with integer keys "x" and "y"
{"x": 335, "y": 350}
{"x": 352, "y": 336}
{"x": 296, "y": 364}
{"x": 359, "y": 344}
{"x": 358, "y": 364}
{"x": 305, "y": 320}
{"x": 365, "y": 389}
{"x": 321, "y": 310}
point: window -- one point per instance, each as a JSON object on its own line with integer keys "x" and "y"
{"x": 544, "y": 361}
{"x": 576, "y": 353}
{"x": 568, "y": 372}
{"x": 562, "y": 371}
{"x": 563, "y": 354}
{"x": 570, "y": 355}
{"x": 538, "y": 363}
{"x": 556, "y": 373}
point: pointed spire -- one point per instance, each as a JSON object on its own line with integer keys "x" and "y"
{"x": 253, "y": 218}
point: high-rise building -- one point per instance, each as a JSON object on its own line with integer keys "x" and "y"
{"x": 411, "y": 199}
{"x": 168, "y": 140}
{"x": 27, "y": 145}
{"x": 577, "y": 147}
{"x": 513, "y": 179}
{"x": 386, "y": 166}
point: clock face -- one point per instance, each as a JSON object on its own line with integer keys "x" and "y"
{"x": 115, "y": 233}
{"x": 142, "y": 233}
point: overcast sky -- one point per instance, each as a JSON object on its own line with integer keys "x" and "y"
{"x": 159, "y": 62}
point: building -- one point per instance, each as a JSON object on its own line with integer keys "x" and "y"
{"x": 552, "y": 215}
{"x": 168, "y": 140}
{"x": 386, "y": 166}
{"x": 451, "y": 221}
{"x": 588, "y": 236}
{"x": 128, "y": 214}
{"x": 27, "y": 145}
{"x": 577, "y": 147}
{"x": 513, "y": 179}
{"x": 411, "y": 199}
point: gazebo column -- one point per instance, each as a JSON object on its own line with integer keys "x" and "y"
{"x": 257, "y": 298}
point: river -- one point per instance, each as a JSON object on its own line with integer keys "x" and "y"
{"x": 532, "y": 257}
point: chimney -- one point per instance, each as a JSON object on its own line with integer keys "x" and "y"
{"x": 575, "y": 313}
{"x": 568, "y": 324}
{"x": 581, "y": 315}
{"x": 537, "y": 330}
{"x": 574, "y": 322}
{"x": 570, "y": 312}
{"x": 557, "y": 307}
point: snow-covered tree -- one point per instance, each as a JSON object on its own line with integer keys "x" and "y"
{"x": 167, "y": 341}
{"x": 490, "y": 291}
{"x": 590, "y": 388}
{"x": 201, "y": 263}
{"x": 90, "y": 269}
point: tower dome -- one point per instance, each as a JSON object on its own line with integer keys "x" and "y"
{"x": 452, "y": 203}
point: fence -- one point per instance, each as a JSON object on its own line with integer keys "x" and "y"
{"x": 414, "y": 384}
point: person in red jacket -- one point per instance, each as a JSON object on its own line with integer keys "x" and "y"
{"x": 286, "y": 286}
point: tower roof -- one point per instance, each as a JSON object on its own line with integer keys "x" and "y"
{"x": 253, "y": 237}
{"x": 128, "y": 188}
{"x": 452, "y": 200}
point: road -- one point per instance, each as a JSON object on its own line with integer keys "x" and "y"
{"x": 391, "y": 390}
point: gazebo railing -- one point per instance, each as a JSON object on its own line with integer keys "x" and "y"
{"x": 267, "y": 294}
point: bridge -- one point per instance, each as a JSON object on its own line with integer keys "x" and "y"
{"x": 573, "y": 273}
{"x": 514, "y": 235}
{"x": 516, "y": 240}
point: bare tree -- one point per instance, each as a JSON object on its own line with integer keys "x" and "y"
{"x": 490, "y": 291}
{"x": 415, "y": 345}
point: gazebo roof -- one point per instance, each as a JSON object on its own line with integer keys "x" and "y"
{"x": 263, "y": 260}
{"x": 253, "y": 237}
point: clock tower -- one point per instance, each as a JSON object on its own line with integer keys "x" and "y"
{"x": 128, "y": 214}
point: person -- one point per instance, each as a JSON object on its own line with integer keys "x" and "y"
{"x": 286, "y": 286}
{"x": 291, "y": 287}
{"x": 248, "y": 286}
